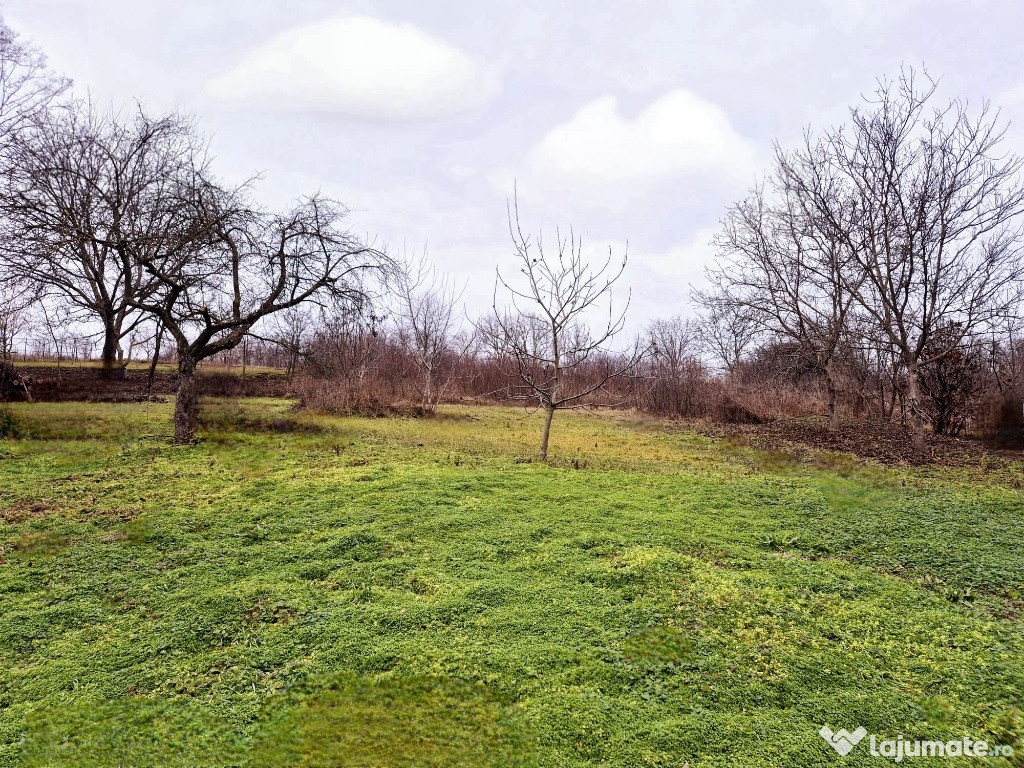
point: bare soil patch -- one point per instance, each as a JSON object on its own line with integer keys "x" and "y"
{"x": 50, "y": 384}
{"x": 881, "y": 441}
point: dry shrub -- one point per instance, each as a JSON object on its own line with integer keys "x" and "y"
{"x": 776, "y": 400}
{"x": 1001, "y": 420}
{"x": 366, "y": 398}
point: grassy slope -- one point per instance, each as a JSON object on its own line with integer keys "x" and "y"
{"x": 414, "y": 593}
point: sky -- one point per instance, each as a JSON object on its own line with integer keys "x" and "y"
{"x": 634, "y": 123}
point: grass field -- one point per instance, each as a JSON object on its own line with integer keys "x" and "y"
{"x": 312, "y": 591}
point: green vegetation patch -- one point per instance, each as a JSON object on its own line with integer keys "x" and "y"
{"x": 419, "y": 592}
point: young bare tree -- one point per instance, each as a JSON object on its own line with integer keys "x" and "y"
{"x": 930, "y": 206}
{"x": 429, "y": 328}
{"x": 84, "y": 195}
{"x": 545, "y": 333}
{"x": 240, "y": 265}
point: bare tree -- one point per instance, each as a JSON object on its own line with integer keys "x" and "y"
{"x": 790, "y": 275}
{"x": 240, "y": 265}
{"x": 291, "y": 330}
{"x": 86, "y": 195}
{"x": 728, "y": 330}
{"x": 346, "y": 358}
{"x": 673, "y": 342}
{"x": 545, "y": 333}
{"x": 673, "y": 367}
{"x": 428, "y": 327}
{"x": 27, "y": 88}
{"x": 17, "y": 297}
{"x": 927, "y": 203}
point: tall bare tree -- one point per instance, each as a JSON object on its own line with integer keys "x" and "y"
{"x": 930, "y": 206}
{"x": 673, "y": 366}
{"x": 790, "y": 275}
{"x": 546, "y": 334}
{"x": 17, "y": 297}
{"x": 85, "y": 196}
{"x": 728, "y": 330}
{"x": 239, "y": 265}
{"x": 673, "y": 343}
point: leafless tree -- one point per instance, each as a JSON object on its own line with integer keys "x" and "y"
{"x": 346, "y": 360}
{"x": 1004, "y": 355}
{"x": 545, "y": 333}
{"x": 727, "y": 330}
{"x": 17, "y": 297}
{"x": 86, "y": 197}
{"x": 788, "y": 274}
{"x": 930, "y": 206}
{"x": 673, "y": 342}
{"x": 291, "y": 330}
{"x": 428, "y": 326}
{"x": 673, "y": 368}
{"x": 241, "y": 265}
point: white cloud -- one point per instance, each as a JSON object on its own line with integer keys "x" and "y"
{"x": 661, "y": 280}
{"x": 600, "y": 154}
{"x": 1012, "y": 97}
{"x": 359, "y": 67}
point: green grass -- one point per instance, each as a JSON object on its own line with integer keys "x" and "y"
{"x": 313, "y": 591}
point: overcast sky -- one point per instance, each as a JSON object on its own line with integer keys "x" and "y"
{"x": 631, "y": 121}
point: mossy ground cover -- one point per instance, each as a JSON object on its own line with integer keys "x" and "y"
{"x": 314, "y": 591}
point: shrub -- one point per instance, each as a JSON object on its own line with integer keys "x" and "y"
{"x": 8, "y": 426}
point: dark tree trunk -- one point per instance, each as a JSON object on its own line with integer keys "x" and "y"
{"x": 833, "y": 410}
{"x": 916, "y": 414}
{"x": 110, "y": 367}
{"x": 186, "y": 405}
{"x": 156, "y": 357}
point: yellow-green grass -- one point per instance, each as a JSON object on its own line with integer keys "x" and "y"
{"x": 304, "y": 590}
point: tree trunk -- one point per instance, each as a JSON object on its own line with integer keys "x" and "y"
{"x": 156, "y": 358}
{"x": 186, "y": 405}
{"x": 548, "y": 416}
{"x": 914, "y": 407}
{"x": 830, "y": 387}
{"x": 110, "y": 369}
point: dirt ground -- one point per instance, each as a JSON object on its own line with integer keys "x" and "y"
{"x": 881, "y": 441}
{"x": 50, "y": 384}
